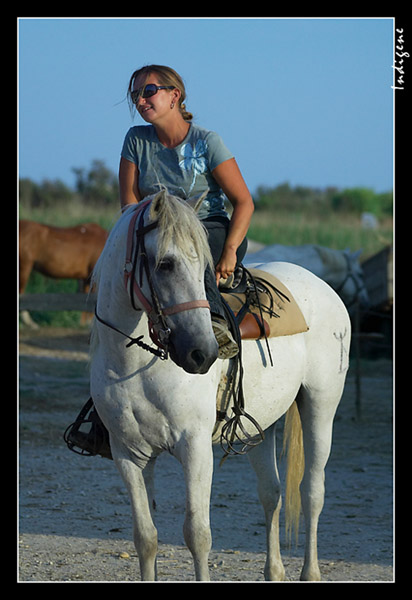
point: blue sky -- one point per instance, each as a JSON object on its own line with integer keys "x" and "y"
{"x": 304, "y": 101}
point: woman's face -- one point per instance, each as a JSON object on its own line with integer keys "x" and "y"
{"x": 157, "y": 106}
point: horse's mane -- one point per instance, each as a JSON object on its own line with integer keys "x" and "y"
{"x": 178, "y": 224}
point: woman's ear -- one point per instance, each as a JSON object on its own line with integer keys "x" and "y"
{"x": 175, "y": 96}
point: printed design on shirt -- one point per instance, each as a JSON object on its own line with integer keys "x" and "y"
{"x": 194, "y": 159}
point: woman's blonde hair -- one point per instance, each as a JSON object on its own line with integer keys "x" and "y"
{"x": 166, "y": 76}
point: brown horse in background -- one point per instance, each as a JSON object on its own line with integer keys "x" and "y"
{"x": 59, "y": 252}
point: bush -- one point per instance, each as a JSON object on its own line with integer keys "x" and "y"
{"x": 96, "y": 187}
{"x": 45, "y": 195}
{"x": 360, "y": 200}
{"x": 352, "y": 201}
{"x": 284, "y": 197}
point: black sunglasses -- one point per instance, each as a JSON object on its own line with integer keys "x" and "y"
{"x": 149, "y": 90}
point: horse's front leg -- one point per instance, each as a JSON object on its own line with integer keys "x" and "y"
{"x": 197, "y": 460}
{"x": 144, "y": 531}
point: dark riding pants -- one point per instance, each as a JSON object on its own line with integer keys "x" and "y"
{"x": 217, "y": 228}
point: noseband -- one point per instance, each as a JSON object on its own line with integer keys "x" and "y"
{"x": 159, "y": 330}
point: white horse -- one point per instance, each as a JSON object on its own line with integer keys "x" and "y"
{"x": 339, "y": 268}
{"x": 151, "y": 405}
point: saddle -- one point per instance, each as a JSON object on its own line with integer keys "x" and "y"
{"x": 262, "y": 306}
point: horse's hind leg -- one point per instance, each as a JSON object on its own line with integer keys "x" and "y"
{"x": 317, "y": 413}
{"x": 263, "y": 460}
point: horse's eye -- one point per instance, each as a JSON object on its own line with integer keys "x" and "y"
{"x": 166, "y": 265}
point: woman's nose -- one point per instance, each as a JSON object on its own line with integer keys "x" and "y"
{"x": 141, "y": 101}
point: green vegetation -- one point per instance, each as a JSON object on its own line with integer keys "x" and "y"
{"x": 283, "y": 215}
{"x": 314, "y": 201}
{"x": 95, "y": 198}
{"x": 330, "y": 217}
{"x": 333, "y": 231}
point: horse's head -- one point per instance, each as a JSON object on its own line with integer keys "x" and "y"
{"x": 343, "y": 272}
{"x": 170, "y": 256}
{"x": 353, "y": 290}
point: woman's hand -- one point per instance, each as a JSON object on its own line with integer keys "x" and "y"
{"x": 226, "y": 264}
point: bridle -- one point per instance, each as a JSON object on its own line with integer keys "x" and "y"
{"x": 136, "y": 255}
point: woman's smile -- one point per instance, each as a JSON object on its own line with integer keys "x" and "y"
{"x": 146, "y": 111}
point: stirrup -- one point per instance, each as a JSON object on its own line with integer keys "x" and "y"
{"x": 92, "y": 442}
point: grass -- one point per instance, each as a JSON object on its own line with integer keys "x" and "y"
{"x": 331, "y": 229}
{"x": 72, "y": 214}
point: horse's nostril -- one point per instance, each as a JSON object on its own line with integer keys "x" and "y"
{"x": 198, "y": 357}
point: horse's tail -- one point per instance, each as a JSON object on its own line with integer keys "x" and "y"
{"x": 295, "y": 466}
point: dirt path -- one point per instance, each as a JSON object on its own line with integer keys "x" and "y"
{"x": 75, "y": 522}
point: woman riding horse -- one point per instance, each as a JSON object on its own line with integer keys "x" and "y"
{"x": 189, "y": 160}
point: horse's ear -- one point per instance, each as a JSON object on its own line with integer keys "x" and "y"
{"x": 156, "y": 203}
{"x": 196, "y": 201}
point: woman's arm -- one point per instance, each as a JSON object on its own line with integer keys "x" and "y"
{"x": 128, "y": 183}
{"x": 229, "y": 178}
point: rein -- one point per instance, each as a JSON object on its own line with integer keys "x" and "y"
{"x": 159, "y": 330}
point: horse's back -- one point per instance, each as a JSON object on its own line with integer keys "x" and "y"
{"x": 89, "y": 239}
{"x": 310, "y": 291}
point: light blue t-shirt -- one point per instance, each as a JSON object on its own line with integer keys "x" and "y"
{"x": 185, "y": 170}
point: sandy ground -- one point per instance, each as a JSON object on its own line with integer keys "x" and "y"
{"x": 75, "y": 522}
